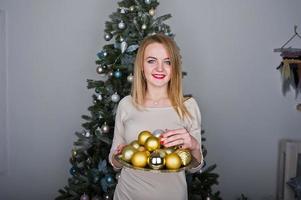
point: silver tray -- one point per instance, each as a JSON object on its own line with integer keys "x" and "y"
{"x": 164, "y": 170}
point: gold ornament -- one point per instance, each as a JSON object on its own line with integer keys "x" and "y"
{"x": 152, "y": 143}
{"x": 142, "y": 137}
{"x": 169, "y": 150}
{"x": 135, "y": 144}
{"x": 74, "y": 152}
{"x": 184, "y": 155}
{"x": 162, "y": 152}
{"x": 156, "y": 160}
{"x": 141, "y": 148}
{"x": 139, "y": 159}
{"x": 173, "y": 161}
{"x": 128, "y": 152}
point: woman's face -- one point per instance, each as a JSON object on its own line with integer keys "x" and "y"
{"x": 156, "y": 65}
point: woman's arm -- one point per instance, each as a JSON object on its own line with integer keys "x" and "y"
{"x": 118, "y": 139}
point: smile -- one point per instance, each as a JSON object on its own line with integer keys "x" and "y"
{"x": 158, "y": 76}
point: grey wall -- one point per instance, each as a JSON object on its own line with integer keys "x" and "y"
{"x": 227, "y": 47}
{"x": 3, "y": 95}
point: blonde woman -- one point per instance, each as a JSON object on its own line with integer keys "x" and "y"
{"x": 156, "y": 102}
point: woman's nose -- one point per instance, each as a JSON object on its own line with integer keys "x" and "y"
{"x": 159, "y": 66}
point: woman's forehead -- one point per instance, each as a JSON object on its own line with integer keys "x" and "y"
{"x": 157, "y": 50}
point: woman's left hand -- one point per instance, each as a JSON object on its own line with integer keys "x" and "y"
{"x": 179, "y": 137}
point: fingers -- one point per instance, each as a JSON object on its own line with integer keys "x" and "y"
{"x": 169, "y": 133}
{"x": 119, "y": 149}
{"x": 178, "y": 142}
{"x": 175, "y": 137}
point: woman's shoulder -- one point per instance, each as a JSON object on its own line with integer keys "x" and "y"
{"x": 189, "y": 100}
{"x": 125, "y": 102}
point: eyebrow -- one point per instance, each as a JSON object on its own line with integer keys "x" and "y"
{"x": 156, "y": 58}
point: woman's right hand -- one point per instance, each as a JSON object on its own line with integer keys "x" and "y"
{"x": 119, "y": 149}
{"x": 116, "y": 165}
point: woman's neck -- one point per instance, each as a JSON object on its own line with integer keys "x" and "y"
{"x": 156, "y": 99}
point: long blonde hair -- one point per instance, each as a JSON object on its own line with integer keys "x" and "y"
{"x": 174, "y": 91}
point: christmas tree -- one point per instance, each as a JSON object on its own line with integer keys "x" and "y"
{"x": 92, "y": 177}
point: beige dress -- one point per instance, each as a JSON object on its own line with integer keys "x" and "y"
{"x": 144, "y": 185}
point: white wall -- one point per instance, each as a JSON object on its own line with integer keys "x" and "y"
{"x": 227, "y": 47}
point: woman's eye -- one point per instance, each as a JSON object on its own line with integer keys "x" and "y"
{"x": 151, "y": 61}
{"x": 168, "y": 62}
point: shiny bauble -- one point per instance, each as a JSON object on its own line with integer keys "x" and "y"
{"x": 73, "y": 171}
{"x": 156, "y": 160}
{"x": 109, "y": 179}
{"x": 142, "y": 137}
{"x": 87, "y": 134}
{"x": 152, "y": 143}
{"x": 74, "y": 152}
{"x": 110, "y": 74}
{"x": 151, "y": 12}
{"x": 158, "y": 132}
{"x": 135, "y": 144}
{"x": 141, "y": 148}
{"x": 105, "y": 128}
{"x": 108, "y": 36}
{"x": 115, "y": 97}
{"x": 173, "y": 161}
{"x": 169, "y": 150}
{"x": 147, "y": 1}
{"x": 143, "y": 27}
{"x": 122, "y": 11}
{"x": 84, "y": 197}
{"x": 130, "y": 78}
{"x": 106, "y": 196}
{"x": 139, "y": 159}
{"x": 132, "y": 8}
{"x": 97, "y": 90}
{"x": 127, "y": 153}
{"x": 117, "y": 74}
{"x": 99, "y": 69}
{"x": 121, "y": 39}
{"x": 121, "y": 25}
{"x": 185, "y": 156}
{"x": 161, "y": 152}
{"x": 123, "y": 46}
{"x": 99, "y": 97}
{"x": 117, "y": 176}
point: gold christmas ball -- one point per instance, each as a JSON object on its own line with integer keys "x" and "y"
{"x": 152, "y": 143}
{"x": 184, "y": 155}
{"x": 142, "y": 137}
{"x": 161, "y": 152}
{"x": 135, "y": 144}
{"x": 156, "y": 160}
{"x": 127, "y": 153}
{"x": 141, "y": 148}
{"x": 169, "y": 150}
{"x": 139, "y": 159}
{"x": 173, "y": 161}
